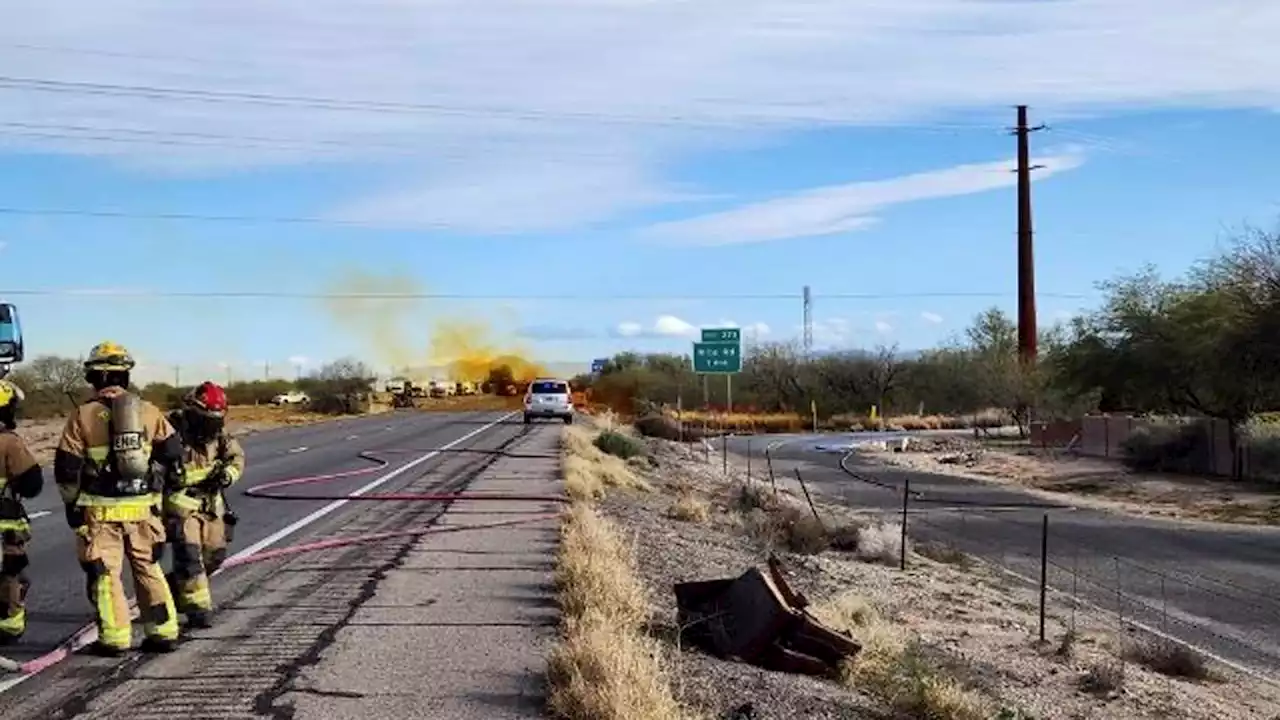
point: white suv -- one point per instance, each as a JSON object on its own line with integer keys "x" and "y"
{"x": 548, "y": 398}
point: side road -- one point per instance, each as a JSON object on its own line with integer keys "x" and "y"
{"x": 1208, "y": 585}
{"x": 451, "y": 625}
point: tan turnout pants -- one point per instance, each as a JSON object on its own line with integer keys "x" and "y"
{"x": 199, "y": 549}
{"x": 103, "y": 549}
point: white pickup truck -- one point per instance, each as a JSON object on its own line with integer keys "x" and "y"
{"x": 293, "y": 397}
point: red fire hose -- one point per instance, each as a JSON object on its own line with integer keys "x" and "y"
{"x": 270, "y": 491}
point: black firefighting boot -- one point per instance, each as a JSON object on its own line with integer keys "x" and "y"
{"x": 157, "y": 645}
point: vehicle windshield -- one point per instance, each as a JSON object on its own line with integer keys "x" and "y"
{"x": 549, "y": 388}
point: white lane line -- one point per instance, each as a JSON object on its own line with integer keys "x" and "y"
{"x": 352, "y": 437}
{"x": 91, "y": 634}
{"x": 39, "y": 514}
{"x": 373, "y": 485}
{"x": 298, "y": 450}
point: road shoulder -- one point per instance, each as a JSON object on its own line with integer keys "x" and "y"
{"x": 461, "y": 626}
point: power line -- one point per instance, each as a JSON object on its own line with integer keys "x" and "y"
{"x": 274, "y": 295}
{"x": 247, "y": 219}
{"x": 111, "y": 133}
{"x": 136, "y": 136}
{"x": 156, "y": 92}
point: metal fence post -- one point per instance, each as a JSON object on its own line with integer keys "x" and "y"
{"x": 724, "y": 453}
{"x": 1044, "y": 569}
{"x": 906, "y": 496}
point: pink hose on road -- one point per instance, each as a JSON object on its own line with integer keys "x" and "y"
{"x": 87, "y": 634}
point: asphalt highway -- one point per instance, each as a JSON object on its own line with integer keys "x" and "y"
{"x": 1211, "y": 585}
{"x": 57, "y": 606}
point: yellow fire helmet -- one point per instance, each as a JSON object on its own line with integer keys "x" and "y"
{"x": 9, "y": 393}
{"x": 108, "y": 355}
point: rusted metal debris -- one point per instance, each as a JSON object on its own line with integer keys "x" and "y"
{"x": 759, "y": 619}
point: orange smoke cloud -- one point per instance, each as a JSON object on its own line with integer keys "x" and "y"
{"x": 458, "y": 348}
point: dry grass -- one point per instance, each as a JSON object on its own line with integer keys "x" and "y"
{"x": 893, "y": 667}
{"x": 689, "y": 507}
{"x": 791, "y": 422}
{"x": 468, "y": 403}
{"x": 599, "y": 673}
{"x": 943, "y": 553}
{"x": 965, "y": 639}
{"x": 1103, "y": 678}
{"x": 881, "y": 543}
{"x": 1168, "y": 658}
{"x": 604, "y": 667}
{"x": 594, "y": 571}
{"x": 271, "y": 415}
{"x": 780, "y": 522}
{"x": 588, "y": 471}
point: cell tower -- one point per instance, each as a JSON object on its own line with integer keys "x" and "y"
{"x": 808, "y": 322}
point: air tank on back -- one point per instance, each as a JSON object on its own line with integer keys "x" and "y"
{"x": 128, "y": 443}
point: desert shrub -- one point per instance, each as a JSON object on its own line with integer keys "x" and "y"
{"x": 690, "y": 507}
{"x": 1168, "y": 447}
{"x": 1168, "y": 658}
{"x": 618, "y": 445}
{"x": 1262, "y": 444}
{"x": 666, "y": 427}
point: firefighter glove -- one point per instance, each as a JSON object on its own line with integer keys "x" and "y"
{"x": 218, "y": 479}
{"x": 75, "y": 515}
{"x": 174, "y": 475}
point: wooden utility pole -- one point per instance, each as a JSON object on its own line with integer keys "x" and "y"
{"x": 1027, "y": 331}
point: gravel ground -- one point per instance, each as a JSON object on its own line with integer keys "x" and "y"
{"x": 975, "y": 625}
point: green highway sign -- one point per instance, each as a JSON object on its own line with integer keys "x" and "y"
{"x": 719, "y": 358}
{"x": 722, "y": 335}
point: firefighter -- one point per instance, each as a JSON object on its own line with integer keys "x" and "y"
{"x": 20, "y": 477}
{"x": 197, "y": 520}
{"x": 116, "y": 454}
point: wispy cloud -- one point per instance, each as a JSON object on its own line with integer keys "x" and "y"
{"x": 664, "y": 326}
{"x": 932, "y": 318}
{"x": 845, "y": 208}
{"x": 883, "y": 327}
{"x": 671, "y": 326}
{"x": 514, "y": 198}
{"x": 511, "y": 98}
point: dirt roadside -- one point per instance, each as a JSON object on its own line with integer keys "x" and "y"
{"x": 1097, "y": 483}
{"x": 961, "y": 635}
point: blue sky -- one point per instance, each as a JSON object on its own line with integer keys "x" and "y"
{"x": 617, "y": 149}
